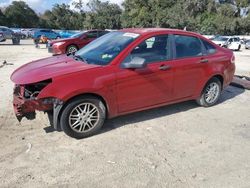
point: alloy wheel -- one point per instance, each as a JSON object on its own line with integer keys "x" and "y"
{"x": 84, "y": 117}
{"x": 212, "y": 92}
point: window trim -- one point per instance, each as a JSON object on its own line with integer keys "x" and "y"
{"x": 169, "y": 54}
{"x": 203, "y": 49}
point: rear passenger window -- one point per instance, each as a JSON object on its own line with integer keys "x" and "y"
{"x": 187, "y": 46}
{"x": 209, "y": 47}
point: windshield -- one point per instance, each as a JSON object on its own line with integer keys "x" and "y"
{"x": 77, "y": 34}
{"x": 104, "y": 49}
{"x": 220, "y": 39}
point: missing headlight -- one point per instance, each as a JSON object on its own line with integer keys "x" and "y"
{"x": 32, "y": 90}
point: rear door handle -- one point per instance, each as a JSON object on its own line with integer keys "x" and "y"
{"x": 165, "y": 67}
{"x": 204, "y": 60}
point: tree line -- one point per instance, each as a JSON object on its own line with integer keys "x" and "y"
{"x": 203, "y": 16}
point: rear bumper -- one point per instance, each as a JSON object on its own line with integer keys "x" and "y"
{"x": 24, "y": 107}
{"x": 229, "y": 74}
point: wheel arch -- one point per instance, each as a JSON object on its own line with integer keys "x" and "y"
{"x": 58, "y": 114}
{"x": 202, "y": 87}
{"x": 219, "y": 77}
{"x": 72, "y": 44}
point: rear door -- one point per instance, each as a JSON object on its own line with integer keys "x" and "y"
{"x": 141, "y": 88}
{"x": 189, "y": 65}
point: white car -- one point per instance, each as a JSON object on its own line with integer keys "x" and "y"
{"x": 232, "y": 43}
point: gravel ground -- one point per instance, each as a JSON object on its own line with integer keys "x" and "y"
{"x": 181, "y": 145}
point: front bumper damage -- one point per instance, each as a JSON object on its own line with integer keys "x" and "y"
{"x": 25, "y": 103}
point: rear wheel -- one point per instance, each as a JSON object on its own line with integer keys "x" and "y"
{"x": 83, "y": 117}
{"x": 211, "y": 93}
{"x": 71, "y": 49}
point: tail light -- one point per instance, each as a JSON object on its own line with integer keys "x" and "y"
{"x": 233, "y": 59}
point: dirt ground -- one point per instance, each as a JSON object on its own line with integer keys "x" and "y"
{"x": 180, "y": 145}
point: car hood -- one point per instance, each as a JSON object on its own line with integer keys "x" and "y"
{"x": 61, "y": 40}
{"x": 47, "y": 68}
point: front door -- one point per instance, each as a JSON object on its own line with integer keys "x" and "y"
{"x": 141, "y": 88}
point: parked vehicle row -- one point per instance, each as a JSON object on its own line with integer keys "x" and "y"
{"x": 232, "y": 43}
{"x": 7, "y": 33}
{"x": 74, "y": 43}
{"x": 119, "y": 73}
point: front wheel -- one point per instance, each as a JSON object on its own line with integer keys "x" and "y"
{"x": 83, "y": 117}
{"x": 211, "y": 93}
{"x": 71, "y": 49}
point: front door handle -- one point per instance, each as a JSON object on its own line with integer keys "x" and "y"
{"x": 165, "y": 67}
{"x": 204, "y": 60}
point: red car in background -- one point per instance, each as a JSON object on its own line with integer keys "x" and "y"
{"x": 119, "y": 73}
{"x": 74, "y": 43}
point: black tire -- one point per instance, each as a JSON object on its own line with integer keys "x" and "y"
{"x": 70, "y": 48}
{"x": 239, "y": 48}
{"x": 71, "y": 109}
{"x": 203, "y": 101}
{"x": 58, "y": 37}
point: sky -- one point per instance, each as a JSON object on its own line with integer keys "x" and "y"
{"x": 41, "y": 5}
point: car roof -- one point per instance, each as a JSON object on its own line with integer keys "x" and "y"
{"x": 144, "y": 31}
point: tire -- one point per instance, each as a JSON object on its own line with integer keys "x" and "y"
{"x": 76, "y": 120}
{"x": 58, "y": 37}
{"x": 239, "y": 48}
{"x": 71, "y": 49}
{"x": 215, "y": 92}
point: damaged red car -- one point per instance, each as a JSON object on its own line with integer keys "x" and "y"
{"x": 119, "y": 73}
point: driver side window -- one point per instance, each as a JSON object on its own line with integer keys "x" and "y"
{"x": 154, "y": 49}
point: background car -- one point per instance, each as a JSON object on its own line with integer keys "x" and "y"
{"x": 50, "y": 34}
{"x": 75, "y": 42}
{"x": 28, "y": 32}
{"x": 232, "y": 43}
{"x": 67, "y": 33}
{"x": 122, "y": 72}
{"x": 18, "y": 32}
{"x": 247, "y": 44}
{"x": 9, "y": 34}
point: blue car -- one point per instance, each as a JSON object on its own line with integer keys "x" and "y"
{"x": 47, "y": 33}
{"x": 67, "y": 33}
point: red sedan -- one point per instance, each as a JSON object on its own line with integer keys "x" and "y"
{"x": 74, "y": 43}
{"x": 122, "y": 72}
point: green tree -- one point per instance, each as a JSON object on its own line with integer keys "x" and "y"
{"x": 103, "y": 15}
{"x": 3, "y": 19}
{"x": 62, "y": 17}
{"x": 19, "y": 14}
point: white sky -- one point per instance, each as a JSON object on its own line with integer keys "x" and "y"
{"x": 42, "y": 5}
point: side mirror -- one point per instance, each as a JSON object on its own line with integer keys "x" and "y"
{"x": 135, "y": 63}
